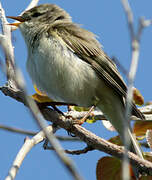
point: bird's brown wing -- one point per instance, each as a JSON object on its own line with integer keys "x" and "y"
{"x": 84, "y": 45}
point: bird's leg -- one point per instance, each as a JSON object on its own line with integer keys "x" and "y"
{"x": 82, "y": 120}
{"x": 73, "y": 121}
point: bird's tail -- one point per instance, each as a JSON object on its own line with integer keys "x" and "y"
{"x": 115, "y": 113}
{"x": 136, "y": 112}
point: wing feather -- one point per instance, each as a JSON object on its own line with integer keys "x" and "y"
{"x": 84, "y": 44}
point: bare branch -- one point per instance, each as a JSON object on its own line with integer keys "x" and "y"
{"x": 90, "y": 138}
{"x": 135, "y": 44}
{"x": 85, "y": 135}
{"x": 149, "y": 138}
{"x": 17, "y": 130}
{"x": 95, "y": 141}
{"x": 98, "y": 115}
{"x": 129, "y": 16}
{"x": 6, "y": 44}
{"x": 142, "y": 24}
{"x": 73, "y": 152}
{"x": 27, "y": 146}
{"x": 32, "y": 133}
{"x": 146, "y": 109}
{"x": 79, "y": 152}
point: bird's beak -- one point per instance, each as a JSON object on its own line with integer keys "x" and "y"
{"x": 18, "y": 18}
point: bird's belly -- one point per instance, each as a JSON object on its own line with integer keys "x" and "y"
{"x": 63, "y": 76}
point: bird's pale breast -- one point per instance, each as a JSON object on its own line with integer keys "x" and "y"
{"x": 61, "y": 74}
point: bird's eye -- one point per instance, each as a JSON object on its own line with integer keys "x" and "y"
{"x": 59, "y": 18}
{"x": 36, "y": 14}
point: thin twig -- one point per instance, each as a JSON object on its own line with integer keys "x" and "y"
{"x": 33, "y": 133}
{"x": 135, "y": 44}
{"x": 17, "y": 130}
{"x": 27, "y": 146}
{"x": 129, "y": 16}
{"x": 142, "y": 24}
{"x": 73, "y": 152}
{"x": 79, "y": 152}
{"x": 149, "y": 138}
{"x": 6, "y": 44}
{"x": 131, "y": 75}
{"x": 66, "y": 138}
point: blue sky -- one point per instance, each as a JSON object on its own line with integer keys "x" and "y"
{"x": 106, "y": 19}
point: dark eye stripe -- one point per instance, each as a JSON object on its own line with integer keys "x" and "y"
{"x": 36, "y": 14}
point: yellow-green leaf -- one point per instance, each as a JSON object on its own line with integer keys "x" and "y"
{"x": 79, "y": 109}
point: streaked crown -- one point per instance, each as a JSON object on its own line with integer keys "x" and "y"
{"x": 46, "y": 13}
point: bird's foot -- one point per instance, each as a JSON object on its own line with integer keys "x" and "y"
{"x": 73, "y": 121}
{"x": 81, "y": 121}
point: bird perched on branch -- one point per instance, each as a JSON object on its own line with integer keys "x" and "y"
{"x": 67, "y": 63}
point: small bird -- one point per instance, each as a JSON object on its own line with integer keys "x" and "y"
{"x": 67, "y": 63}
